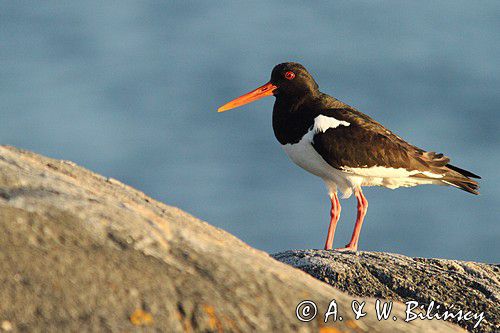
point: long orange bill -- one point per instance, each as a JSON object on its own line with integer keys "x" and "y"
{"x": 260, "y": 92}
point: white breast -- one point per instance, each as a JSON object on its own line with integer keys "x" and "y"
{"x": 304, "y": 155}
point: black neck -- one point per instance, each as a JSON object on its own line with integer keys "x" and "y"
{"x": 292, "y": 116}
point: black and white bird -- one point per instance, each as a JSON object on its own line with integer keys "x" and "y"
{"x": 345, "y": 147}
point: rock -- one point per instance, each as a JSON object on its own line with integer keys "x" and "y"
{"x": 81, "y": 252}
{"x": 469, "y": 286}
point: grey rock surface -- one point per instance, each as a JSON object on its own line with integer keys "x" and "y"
{"x": 469, "y": 286}
{"x": 81, "y": 252}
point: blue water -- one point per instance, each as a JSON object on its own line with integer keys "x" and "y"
{"x": 129, "y": 89}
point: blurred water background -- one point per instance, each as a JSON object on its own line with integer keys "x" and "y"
{"x": 130, "y": 89}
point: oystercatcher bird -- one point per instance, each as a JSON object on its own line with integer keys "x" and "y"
{"x": 345, "y": 147}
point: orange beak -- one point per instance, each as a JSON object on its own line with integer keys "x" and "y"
{"x": 260, "y": 92}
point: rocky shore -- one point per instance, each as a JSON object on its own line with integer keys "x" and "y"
{"x": 451, "y": 285}
{"x": 82, "y": 252}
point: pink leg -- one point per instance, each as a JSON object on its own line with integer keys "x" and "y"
{"x": 362, "y": 208}
{"x": 334, "y": 217}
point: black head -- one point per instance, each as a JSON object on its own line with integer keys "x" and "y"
{"x": 292, "y": 79}
{"x": 288, "y": 80}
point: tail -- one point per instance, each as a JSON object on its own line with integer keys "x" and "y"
{"x": 461, "y": 179}
{"x": 462, "y": 171}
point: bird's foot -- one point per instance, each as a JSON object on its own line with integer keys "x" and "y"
{"x": 348, "y": 248}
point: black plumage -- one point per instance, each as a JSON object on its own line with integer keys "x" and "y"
{"x": 364, "y": 143}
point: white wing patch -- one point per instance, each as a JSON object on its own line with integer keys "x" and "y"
{"x": 323, "y": 123}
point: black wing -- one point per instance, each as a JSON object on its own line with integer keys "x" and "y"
{"x": 366, "y": 143}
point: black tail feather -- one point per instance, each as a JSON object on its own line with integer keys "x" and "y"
{"x": 463, "y": 172}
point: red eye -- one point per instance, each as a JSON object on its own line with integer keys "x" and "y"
{"x": 289, "y": 75}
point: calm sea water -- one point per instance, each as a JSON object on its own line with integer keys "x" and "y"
{"x": 130, "y": 90}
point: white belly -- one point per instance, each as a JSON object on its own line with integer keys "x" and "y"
{"x": 304, "y": 155}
